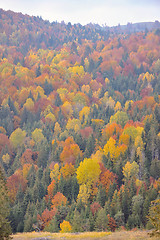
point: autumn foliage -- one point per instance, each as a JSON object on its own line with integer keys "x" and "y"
{"x": 14, "y": 182}
{"x": 58, "y": 200}
{"x": 79, "y": 123}
{"x": 65, "y": 226}
{"x": 46, "y": 217}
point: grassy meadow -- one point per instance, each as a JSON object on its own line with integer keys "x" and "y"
{"x": 119, "y": 235}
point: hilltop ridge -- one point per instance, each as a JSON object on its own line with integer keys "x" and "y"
{"x": 17, "y": 29}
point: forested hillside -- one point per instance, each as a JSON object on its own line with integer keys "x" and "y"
{"x": 79, "y": 124}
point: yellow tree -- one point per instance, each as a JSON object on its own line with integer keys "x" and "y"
{"x": 98, "y": 155}
{"x": 17, "y": 137}
{"x": 77, "y": 128}
{"x": 72, "y": 123}
{"x": 6, "y": 158}
{"x": 50, "y": 117}
{"x": 83, "y": 114}
{"x": 79, "y": 70}
{"x": 85, "y": 88}
{"x": 48, "y": 110}
{"x": 57, "y": 129}
{"x": 67, "y": 171}
{"x": 139, "y": 146}
{"x": 65, "y": 226}
{"x": 88, "y": 172}
{"x": 55, "y": 172}
{"x": 23, "y": 95}
{"x": 87, "y": 175}
{"x": 118, "y": 106}
{"x": 133, "y": 132}
{"x": 128, "y": 104}
{"x": 84, "y": 194}
{"x": 110, "y": 148}
{"x": 67, "y": 109}
{"x": 120, "y": 118}
{"x": 124, "y": 139}
{"x": 109, "y": 102}
{"x": 37, "y": 135}
{"x": 114, "y": 151}
{"x": 148, "y": 77}
{"x": 39, "y": 90}
{"x": 130, "y": 170}
{"x": 29, "y": 104}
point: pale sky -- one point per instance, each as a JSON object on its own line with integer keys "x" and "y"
{"x": 109, "y": 12}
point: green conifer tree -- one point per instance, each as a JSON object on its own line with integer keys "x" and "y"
{"x": 101, "y": 220}
{"x": 5, "y": 229}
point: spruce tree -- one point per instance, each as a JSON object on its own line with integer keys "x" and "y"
{"x": 77, "y": 222}
{"x": 101, "y": 220}
{"x": 53, "y": 226}
{"x": 5, "y": 229}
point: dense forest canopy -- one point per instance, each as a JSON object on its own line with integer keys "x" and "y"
{"x": 79, "y": 123}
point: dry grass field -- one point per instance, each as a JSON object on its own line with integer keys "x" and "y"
{"x": 119, "y": 235}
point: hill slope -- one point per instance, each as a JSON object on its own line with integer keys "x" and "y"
{"x": 79, "y": 124}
